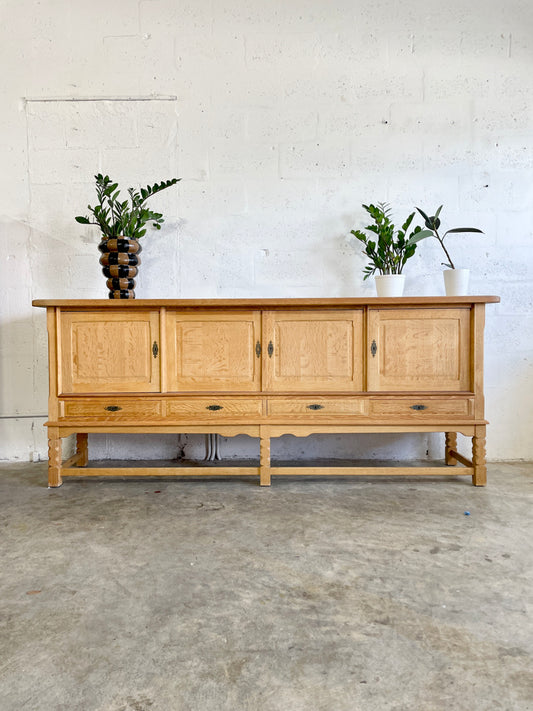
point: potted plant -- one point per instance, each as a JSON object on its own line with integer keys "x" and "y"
{"x": 122, "y": 224}
{"x": 455, "y": 280}
{"x": 390, "y": 251}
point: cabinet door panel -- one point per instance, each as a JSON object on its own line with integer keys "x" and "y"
{"x": 313, "y": 350}
{"x": 109, "y": 352}
{"x": 418, "y": 350}
{"x": 213, "y": 351}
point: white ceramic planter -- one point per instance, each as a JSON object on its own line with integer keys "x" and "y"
{"x": 456, "y": 281}
{"x": 390, "y": 284}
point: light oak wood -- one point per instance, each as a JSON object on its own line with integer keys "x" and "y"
{"x": 479, "y": 456}
{"x": 450, "y": 448}
{"x": 299, "y": 430}
{"x": 163, "y": 355}
{"x": 54, "y": 457}
{"x": 476, "y": 357}
{"x": 455, "y": 456}
{"x": 368, "y": 471}
{"x": 419, "y": 349}
{"x": 291, "y": 303}
{"x": 213, "y": 351}
{"x": 112, "y": 409}
{"x": 316, "y": 407}
{"x": 422, "y": 408}
{"x": 264, "y": 457}
{"x": 53, "y": 359}
{"x": 82, "y": 448}
{"x": 74, "y": 460}
{"x": 124, "y": 428}
{"x": 313, "y": 351}
{"x": 162, "y": 471}
{"x": 109, "y": 352}
{"x": 203, "y": 409}
{"x": 202, "y": 366}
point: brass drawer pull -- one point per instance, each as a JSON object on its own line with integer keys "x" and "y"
{"x": 374, "y": 349}
{"x": 258, "y": 349}
{"x": 315, "y": 407}
{"x": 270, "y": 349}
{"x": 419, "y": 407}
{"x": 112, "y": 408}
{"x": 214, "y": 407}
{"x": 155, "y": 349}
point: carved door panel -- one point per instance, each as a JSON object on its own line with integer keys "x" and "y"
{"x": 109, "y": 351}
{"x": 315, "y": 350}
{"x": 418, "y": 350}
{"x": 218, "y": 351}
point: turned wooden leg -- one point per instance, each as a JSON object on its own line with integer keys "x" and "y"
{"x": 478, "y": 456}
{"x": 264, "y": 458}
{"x": 54, "y": 458}
{"x": 82, "y": 448}
{"x": 450, "y": 444}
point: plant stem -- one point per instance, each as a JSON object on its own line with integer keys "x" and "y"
{"x": 441, "y": 240}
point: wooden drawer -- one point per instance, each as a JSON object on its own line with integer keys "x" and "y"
{"x": 112, "y": 409}
{"x": 316, "y": 407}
{"x": 422, "y": 408}
{"x": 214, "y": 409}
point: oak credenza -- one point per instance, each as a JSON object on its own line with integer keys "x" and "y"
{"x": 265, "y": 368}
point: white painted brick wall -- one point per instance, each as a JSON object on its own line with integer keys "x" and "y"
{"x": 282, "y": 118}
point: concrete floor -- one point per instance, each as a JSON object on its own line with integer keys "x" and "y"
{"x": 313, "y": 595}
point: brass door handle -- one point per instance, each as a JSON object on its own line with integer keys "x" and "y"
{"x": 155, "y": 349}
{"x": 270, "y": 349}
{"x": 374, "y": 348}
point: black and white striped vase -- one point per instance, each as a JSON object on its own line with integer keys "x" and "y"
{"x": 120, "y": 259}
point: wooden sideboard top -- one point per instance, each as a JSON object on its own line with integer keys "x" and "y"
{"x": 268, "y": 303}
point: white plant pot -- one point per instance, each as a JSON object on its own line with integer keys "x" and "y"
{"x": 456, "y": 281}
{"x": 390, "y": 284}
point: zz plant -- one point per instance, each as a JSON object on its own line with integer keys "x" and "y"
{"x": 391, "y": 248}
{"x": 117, "y": 218}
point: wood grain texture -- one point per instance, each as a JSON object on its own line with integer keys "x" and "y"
{"x": 161, "y": 471}
{"x": 264, "y": 457}
{"x": 289, "y": 303}
{"x": 367, "y": 471}
{"x": 98, "y": 409}
{"x": 411, "y": 407}
{"x": 54, "y": 458}
{"x": 476, "y": 356}
{"x": 82, "y": 448}
{"x": 53, "y": 390}
{"x": 304, "y": 430}
{"x": 316, "y": 407}
{"x": 213, "y": 372}
{"x": 109, "y": 352}
{"x": 450, "y": 445}
{"x": 313, "y": 351}
{"x": 195, "y": 409}
{"x": 213, "y": 351}
{"x": 419, "y": 350}
{"x": 459, "y": 458}
{"x": 479, "y": 457}
{"x": 226, "y": 430}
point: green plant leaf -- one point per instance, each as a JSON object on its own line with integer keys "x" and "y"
{"x": 417, "y": 236}
{"x": 464, "y": 229}
{"x": 83, "y": 220}
{"x": 426, "y": 218}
